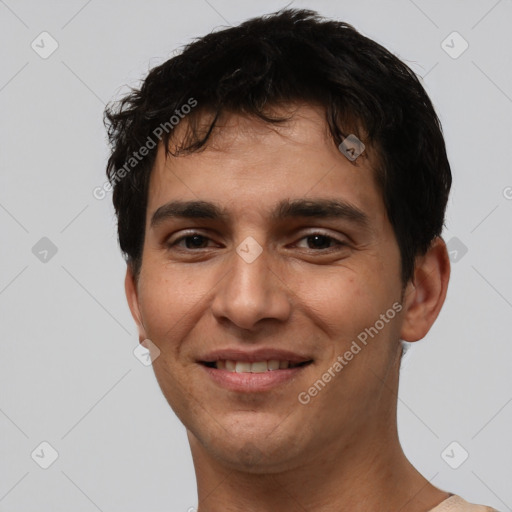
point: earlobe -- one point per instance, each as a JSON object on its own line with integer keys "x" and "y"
{"x": 130, "y": 286}
{"x": 425, "y": 293}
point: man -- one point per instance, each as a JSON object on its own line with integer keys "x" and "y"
{"x": 280, "y": 189}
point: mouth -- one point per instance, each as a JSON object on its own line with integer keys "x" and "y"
{"x": 254, "y": 366}
{"x": 243, "y": 376}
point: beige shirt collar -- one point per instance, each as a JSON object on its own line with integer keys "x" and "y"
{"x": 456, "y": 504}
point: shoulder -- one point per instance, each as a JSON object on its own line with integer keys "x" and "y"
{"x": 457, "y": 504}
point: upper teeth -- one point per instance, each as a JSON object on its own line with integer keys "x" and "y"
{"x": 254, "y": 367}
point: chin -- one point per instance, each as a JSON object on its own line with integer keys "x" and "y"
{"x": 252, "y": 456}
{"x": 252, "y": 450}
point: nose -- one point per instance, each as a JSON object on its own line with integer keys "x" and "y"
{"x": 251, "y": 292}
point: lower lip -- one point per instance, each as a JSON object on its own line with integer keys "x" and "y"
{"x": 252, "y": 382}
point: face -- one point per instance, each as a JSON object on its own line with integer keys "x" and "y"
{"x": 288, "y": 257}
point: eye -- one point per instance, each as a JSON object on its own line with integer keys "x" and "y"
{"x": 314, "y": 241}
{"x": 321, "y": 241}
{"x": 193, "y": 240}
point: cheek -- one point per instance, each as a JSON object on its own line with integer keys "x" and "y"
{"x": 164, "y": 299}
{"x": 347, "y": 305}
{"x": 345, "y": 300}
{"x": 174, "y": 299}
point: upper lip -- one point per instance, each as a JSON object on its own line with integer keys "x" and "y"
{"x": 251, "y": 356}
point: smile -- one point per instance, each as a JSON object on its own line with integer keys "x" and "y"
{"x": 253, "y": 376}
{"x": 253, "y": 367}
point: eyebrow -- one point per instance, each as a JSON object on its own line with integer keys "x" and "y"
{"x": 285, "y": 209}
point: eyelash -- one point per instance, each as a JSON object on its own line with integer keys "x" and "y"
{"x": 316, "y": 233}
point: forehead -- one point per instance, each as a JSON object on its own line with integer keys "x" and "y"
{"x": 296, "y": 123}
{"x": 249, "y": 163}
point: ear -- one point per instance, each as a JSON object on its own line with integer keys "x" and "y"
{"x": 130, "y": 287}
{"x": 425, "y": 293}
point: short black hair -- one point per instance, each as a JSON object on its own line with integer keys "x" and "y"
{"x": 293, "y": 55}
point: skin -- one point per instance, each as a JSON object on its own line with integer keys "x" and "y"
{"x": 266, "y": 451}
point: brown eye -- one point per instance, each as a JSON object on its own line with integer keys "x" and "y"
{"x": 194, "y": 241}
{"x": 190, "y": 241}
{"x": 321, "y": 241}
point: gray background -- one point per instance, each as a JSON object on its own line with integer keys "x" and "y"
{"x": 68, "y": 375}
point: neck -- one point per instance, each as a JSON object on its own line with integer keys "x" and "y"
{"x": 358, "y": 476}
